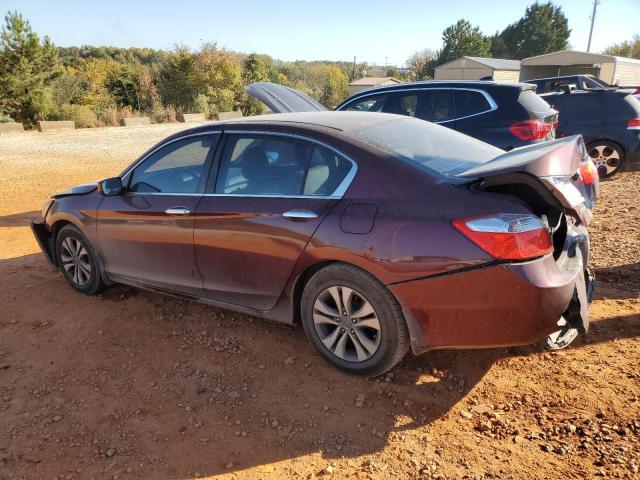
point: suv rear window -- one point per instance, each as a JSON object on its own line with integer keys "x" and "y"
{"x": 435, "y": 149}
{"x": 533, "y": 103}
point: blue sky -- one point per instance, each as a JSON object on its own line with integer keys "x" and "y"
{"x": 374, "y": 30}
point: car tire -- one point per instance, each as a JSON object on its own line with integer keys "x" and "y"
{"x": 78, "y": 261}
{"x": 608, "y": 157}
{"x": 367, "y": 335}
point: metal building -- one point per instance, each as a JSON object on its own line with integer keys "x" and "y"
{"x": 476, "y": 68}
{"x": 611, "y": 69}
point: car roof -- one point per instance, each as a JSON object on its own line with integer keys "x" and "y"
{"x": 480, "y": 84}
{"x": 342, "y": 121}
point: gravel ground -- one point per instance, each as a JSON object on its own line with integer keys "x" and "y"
{"x": 132, "y": 384}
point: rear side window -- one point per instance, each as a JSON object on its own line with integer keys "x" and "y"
{"x": 430, "y": 105}
{"x": 279, "y": 166}
{"x": 533, "y": 103}
{"x": 374, "y": 103}
{"x": 468, "y": 103}
{"x": 326, "y": 172}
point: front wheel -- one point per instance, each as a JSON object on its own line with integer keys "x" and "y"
{"x": 353, "y": 321}
{"x": 78, "y": 262}
{"x": 607, "y": 156}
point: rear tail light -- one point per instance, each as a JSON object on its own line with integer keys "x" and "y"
{"x": 530, "y": 129}
{"x": 589, "y": 172}
{"x": 633, "y": 124}
{"x": 507, "y": 236}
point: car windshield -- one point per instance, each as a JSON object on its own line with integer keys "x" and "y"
{"x": 438, "y": 150}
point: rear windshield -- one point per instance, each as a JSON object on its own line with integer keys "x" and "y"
{"x": 435, "y": 149}
{"x": 533, "y": 103}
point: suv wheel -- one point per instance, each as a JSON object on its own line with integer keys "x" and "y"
{"x": 607, "y": 156}
{"x": 354, "y": 321}
{"x": 78, "y": 262}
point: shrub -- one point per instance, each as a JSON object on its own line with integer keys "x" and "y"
{"x": 82, "y": 115}
{"x": 108, "y": 117}
{"x": 158, "y": 113}
{"x": 172, "y": 113}
{"x": 4, "y": 118}
{"x": 202, "y": 104}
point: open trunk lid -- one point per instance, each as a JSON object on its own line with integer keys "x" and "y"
{"x": 560, "y": 171}
{"x": 282, "y": 99}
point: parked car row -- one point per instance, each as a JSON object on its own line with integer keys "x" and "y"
{"x": 504, "y": 115}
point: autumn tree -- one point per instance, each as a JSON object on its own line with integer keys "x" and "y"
{"x": 420, "y": 64}
{"x": 629, "y": 49}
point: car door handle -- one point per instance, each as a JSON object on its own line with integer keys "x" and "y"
{"x": 300, "y": 215}
{"x": 177, "y": 211}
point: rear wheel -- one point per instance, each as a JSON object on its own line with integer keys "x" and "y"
{"x": 607, "y": 156}
{"x": 78, "y": 262}
{"x": 353, "y": 321}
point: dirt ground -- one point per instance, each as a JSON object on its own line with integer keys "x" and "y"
{"x": 132, "y": 384}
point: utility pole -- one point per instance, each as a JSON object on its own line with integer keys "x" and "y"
{"x": 353, "y": 72}
{"x": 593, "y": 20}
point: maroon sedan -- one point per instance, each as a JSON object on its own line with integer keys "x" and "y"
{"x": 376, "y": 232}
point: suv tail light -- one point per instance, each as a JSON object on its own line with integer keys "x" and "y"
{"x": 633, "y": 124}
{"x": 507, "y": 236}
{"x": 530, "y": 129}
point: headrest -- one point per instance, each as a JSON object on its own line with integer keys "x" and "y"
{"x": 255, "y": 164}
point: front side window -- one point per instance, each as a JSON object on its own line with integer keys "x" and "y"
{"x": 373, "y": 103}
{"x": 271, "y": 165}
{"x": 468, "y": 102}
{"x": 175, "y": 168}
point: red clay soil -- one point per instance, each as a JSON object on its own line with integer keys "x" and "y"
{"x": 132, "y": 384}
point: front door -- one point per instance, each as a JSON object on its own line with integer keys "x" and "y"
{"x": 146, "y": 234}
{"x": 271, "y": 194}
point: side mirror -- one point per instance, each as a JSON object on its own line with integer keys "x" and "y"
{"x": 110, "y": 187}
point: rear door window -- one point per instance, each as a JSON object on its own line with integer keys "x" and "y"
{"x": 272, "y": 165}
{"x": 469, "y": 102}
{"x": 430, "y": 105}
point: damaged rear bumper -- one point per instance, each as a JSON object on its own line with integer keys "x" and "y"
{"x": 43, "y": 236}
{"x": 496, "y": 306}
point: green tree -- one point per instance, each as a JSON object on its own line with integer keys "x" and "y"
{"x": 28, "y": 65}
{"x": 462, "y": 39}
{"x": 254, "y": 69}
{"x": 629, "y": 49}
{"x": 178, "y": 78}
{"x": 543, "y": 29}
{"x": 124, "y": 86}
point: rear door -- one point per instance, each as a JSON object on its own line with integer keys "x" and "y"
{"x": 270, "y": 194}
{"x": 580, "y": 113}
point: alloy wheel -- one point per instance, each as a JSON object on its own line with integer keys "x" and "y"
{"x": 75, "y": 260}
{"x": 606, "y": 158}
{"x": 347, "y": 324}
{"x": 563, "y": 337}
